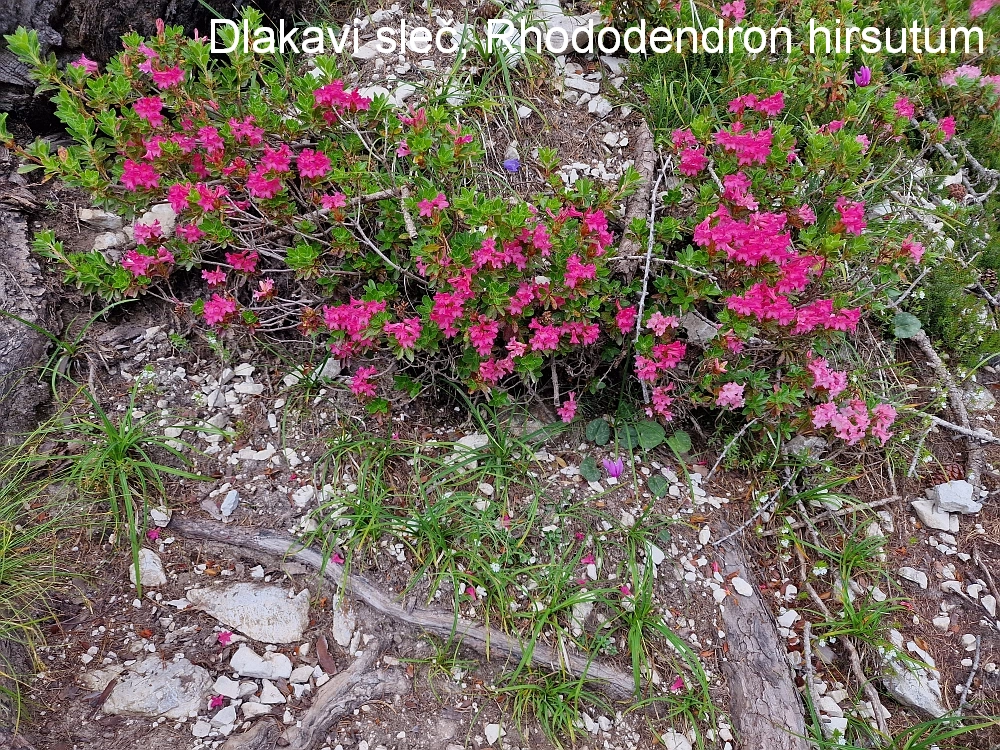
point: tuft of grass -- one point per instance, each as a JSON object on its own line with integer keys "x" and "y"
{"x": 30, "y": 519}
{"x": 555, "y": 700}
{"x": 120, "y": 461}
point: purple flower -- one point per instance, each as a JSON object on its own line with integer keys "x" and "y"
{"x": 512, "y": 165}
{"x": 863, "y": 76}
{"x": 614, "y": 468}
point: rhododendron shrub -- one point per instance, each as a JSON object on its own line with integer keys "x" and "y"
{"x": 300, "y": 202}
{"x": 772, "y": 263}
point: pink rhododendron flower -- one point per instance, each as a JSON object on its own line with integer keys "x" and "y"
{"x": 683, "y": 139}
{"x": 852, "y": 215}
{"x": 245, "y": 261}
{"x": 143, "y": 233}
{"x": 214, "y": 278}
{"x": 337, "y": 200}
{"x": 245, "y": 130}
{"x": 428, "y": 207}
{"x": 167, "y": 78}
{"x": 148, "y": 108}
{"x": 849, "y": 422}
{"x": 448, "y": 308}
{"x": 265, "y": 290}
{"x": 276, "y": 159}
{"x": 218, "y": 309}
{"x": 731, "y": 395}
{"x": 579, "y": 332}
{"x": 210, "y": 139}
{"x": 521, "y": 299}
{"x": 337, "y": 559}
{"x": 806, "y": 214}
{"x": 625, "y": 318}
{"x": 659, "y": 323}
{"x": 979, "y": 7}
{"x": 361, "y": 385}
{"x": 646, "y": 369}
{"x": 832, "y": 381}
{"x": 735, "y": 11}
{"x": 261, "y": 187}
{"x": 137, "y": 263}
{"x": 947, "y": 126}
{"x": 568, "y": 409}
{"x": 406, "y": 332}
{"x": 215, "y": 702}
{"x": 313, "y": 164}
{"x": 178, "y": 194}
{"x": 482, "y": 335}
{"x": 913, "y": 248}
{"x": 225, "y": 637}
{"x": 736, "y": 188}
{"x": 403, "y": 149}
{"x": 577, "y": 271}
{"x": 153, "y": 534}
{"x": 661, "y": 401}
{"x": 884, "y": 415}
{"x": 136, "y": 175}
{"x": 493, "y": 370}
{"x": 693, "y": 160}
{"x": 904, "y": 108}
{"x": 210, "y": 198}
{"x": 86, "y": 63}
{"x": 545, "y": 338}
{"x": 968, "y": 72}
{"x": 677, "y": 685}
{"x": 749, "y": 147}
{"x": 189, "y": 232}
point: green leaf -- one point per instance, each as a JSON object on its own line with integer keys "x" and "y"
{"x": 628, "y": 437}
{"x": 658, "y": 485}
{"x": 906, "y": 326}
{"x": 589, "y": 470}
{"x": 651, "y": 434}
{"x": 598, "y": 432}
{"x": 679, "y": 442}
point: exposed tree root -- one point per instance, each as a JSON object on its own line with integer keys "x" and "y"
{"x": 765, "y": 706}
{"x": 974, "y": 453}
{"x": 614, "y": 682}
{"x": 341, "y": 696}
{"x": 347, "y": 691}
{"x": 638, "y": 206}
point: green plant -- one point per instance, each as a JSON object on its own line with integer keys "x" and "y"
{"x": 120, "y": 462}
{"x": 554, "y": 700}
{"x": 34, "y": 509}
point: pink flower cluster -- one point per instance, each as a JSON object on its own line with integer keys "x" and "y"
{"x": 362, "y": 385}
{"x": 147, "y": 265}
{"x": 852, "y": 421}
{"x": 750, "y": 147}
{"x": 352, "y": 320}
{"x": 771, "y": 106}
{"x": 832, "y": 381}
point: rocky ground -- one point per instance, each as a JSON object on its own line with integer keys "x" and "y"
{"x": 228, "y": 647}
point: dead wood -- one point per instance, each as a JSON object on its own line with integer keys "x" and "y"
{"x": 629, "y": 251}
{"x": 765, "y": 705}
{"x": 614, "y": 682}
{"x": 341, "y": 696}
{"x": 974, "y": 453}
{"x": 347, "y": 691}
